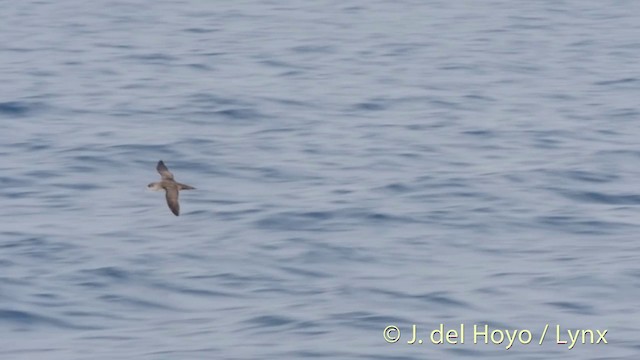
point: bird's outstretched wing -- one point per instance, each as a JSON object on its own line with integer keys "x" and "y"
{"x": 164, "y": 171}
{"x": 172, "y": 200}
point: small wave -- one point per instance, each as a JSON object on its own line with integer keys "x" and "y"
{"x": 270, "y": 321}
{"x": 602, "y": 198}
{"x": 240, "y": 113}
{"x": 19, "y": 108}
{"x": 616, "y": 81}
{"x": 573, "y": 307}
{"x": 24, "y": 318}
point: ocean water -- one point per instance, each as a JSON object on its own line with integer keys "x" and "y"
{"x": 358, "y": 165}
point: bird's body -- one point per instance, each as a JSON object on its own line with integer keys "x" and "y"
{"x": 170, "y": 186}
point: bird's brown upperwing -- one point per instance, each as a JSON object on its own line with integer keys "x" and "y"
{"x": 172, "y": 200}
{"x": 164, "y": 171}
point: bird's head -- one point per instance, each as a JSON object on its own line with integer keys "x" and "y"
{"x": 154, "y": 186}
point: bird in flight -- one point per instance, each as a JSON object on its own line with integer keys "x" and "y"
{"x": 170, "y": 186}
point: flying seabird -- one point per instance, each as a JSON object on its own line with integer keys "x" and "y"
{"x": 170, "y": 186}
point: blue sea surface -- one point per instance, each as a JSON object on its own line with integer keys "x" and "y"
{"x": 358, "y": 165}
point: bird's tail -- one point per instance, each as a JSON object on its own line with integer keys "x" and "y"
{"x": 185, "y": 187}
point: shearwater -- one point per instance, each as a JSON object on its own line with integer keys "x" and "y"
{"x": 170, "y": 186}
